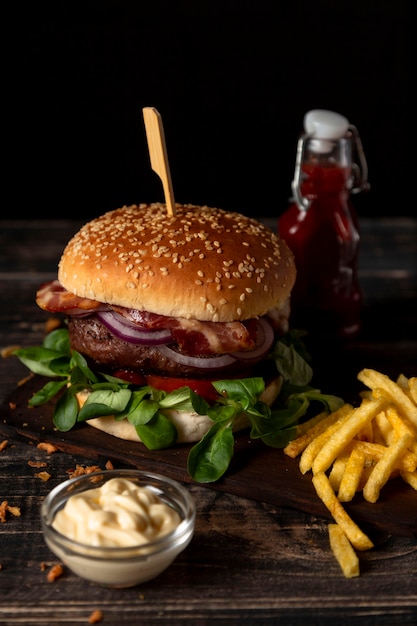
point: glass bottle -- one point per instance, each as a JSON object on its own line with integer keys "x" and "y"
{"x": 321, "y": 226}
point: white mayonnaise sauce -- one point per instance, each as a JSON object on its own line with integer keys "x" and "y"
{"x": 117, "y": 514}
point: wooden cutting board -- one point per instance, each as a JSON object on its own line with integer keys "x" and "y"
{"x": 258, "y": 472}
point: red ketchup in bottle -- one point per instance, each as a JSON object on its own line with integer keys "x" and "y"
{"x": 321, "y": 228}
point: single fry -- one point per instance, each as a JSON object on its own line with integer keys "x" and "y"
{"x": 337, "y": 471}
{"x": 351, "y": 476}
{"x": 376, "y": 380}
{"x": 356, "y": 536}
{"x": 383, "y": 469}
{"x": 383, "y": 431}
{"x": 343, "y": 551}
{"x": 358, "y": 418}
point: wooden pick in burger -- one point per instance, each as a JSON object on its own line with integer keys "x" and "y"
{"x": 158, "y": 154}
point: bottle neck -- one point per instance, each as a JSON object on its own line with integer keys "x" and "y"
{"x": 322, "y": 167}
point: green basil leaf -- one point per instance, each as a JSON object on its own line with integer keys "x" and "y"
{"x": 222, "y": 412}
{"x": 38, "y": 360}
{"x": 291, "y": 365}
{"x": 209, "y": 458}
{"x": 65, "y": 414}
{"x": 79, "y": 379}
{"x": 199, "y": 404}
{"x": 78, "y": 360}
{"x": 280, "y": 438}
{"x": 48, "y": 391}
{"x": 142, "y": 412}
{"x": 158, "y": 434}
{"x": 58, "y": 340}
{"x": 60, "y": 366}
{"x": 330, "y": 403}
{"x": 179, "y": 399}
{"x": 245, "y": 390}
{"x": 115, "y": 399}
{"x": 94, "y": 409}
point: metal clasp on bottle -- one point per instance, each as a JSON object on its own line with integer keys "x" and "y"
{"x": 359, "y": 179}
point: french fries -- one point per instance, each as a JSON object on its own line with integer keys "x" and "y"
{"x": 343, "y": 551}
{"x": 357, "y": 450}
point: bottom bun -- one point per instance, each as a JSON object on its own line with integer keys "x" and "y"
{"x": 191, "y": 427}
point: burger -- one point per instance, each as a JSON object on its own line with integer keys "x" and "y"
{"x": 165, "y": 299}
{"x": 185, "y": 310}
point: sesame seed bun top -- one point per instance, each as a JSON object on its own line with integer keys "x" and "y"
{"x": 203, "y": 263}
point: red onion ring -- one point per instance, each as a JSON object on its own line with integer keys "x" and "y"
{"x": 123, "y": 329}
{"x": 264, "y": 341}
{"x": 207, "y": 363}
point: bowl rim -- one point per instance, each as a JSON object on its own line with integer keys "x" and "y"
{"x": 174, "y": 539}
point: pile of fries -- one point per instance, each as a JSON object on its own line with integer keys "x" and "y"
{"x": 358, "y": 450}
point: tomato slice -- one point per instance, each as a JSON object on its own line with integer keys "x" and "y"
{"x": 203, "y": 388}
{"x": 135, "y": 378}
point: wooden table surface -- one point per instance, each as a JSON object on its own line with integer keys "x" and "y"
{"x": 250, "y": 562}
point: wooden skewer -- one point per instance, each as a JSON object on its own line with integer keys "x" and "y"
{"x": 158, "y": 154}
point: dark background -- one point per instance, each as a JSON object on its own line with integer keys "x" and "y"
{"x": 232, "y": 81}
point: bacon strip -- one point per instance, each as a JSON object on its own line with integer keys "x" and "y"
{"x": 53, "y": 297}
{"x": 192, "y": 336}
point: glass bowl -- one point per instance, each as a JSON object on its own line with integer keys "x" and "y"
{"x": 120, "y": 566}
